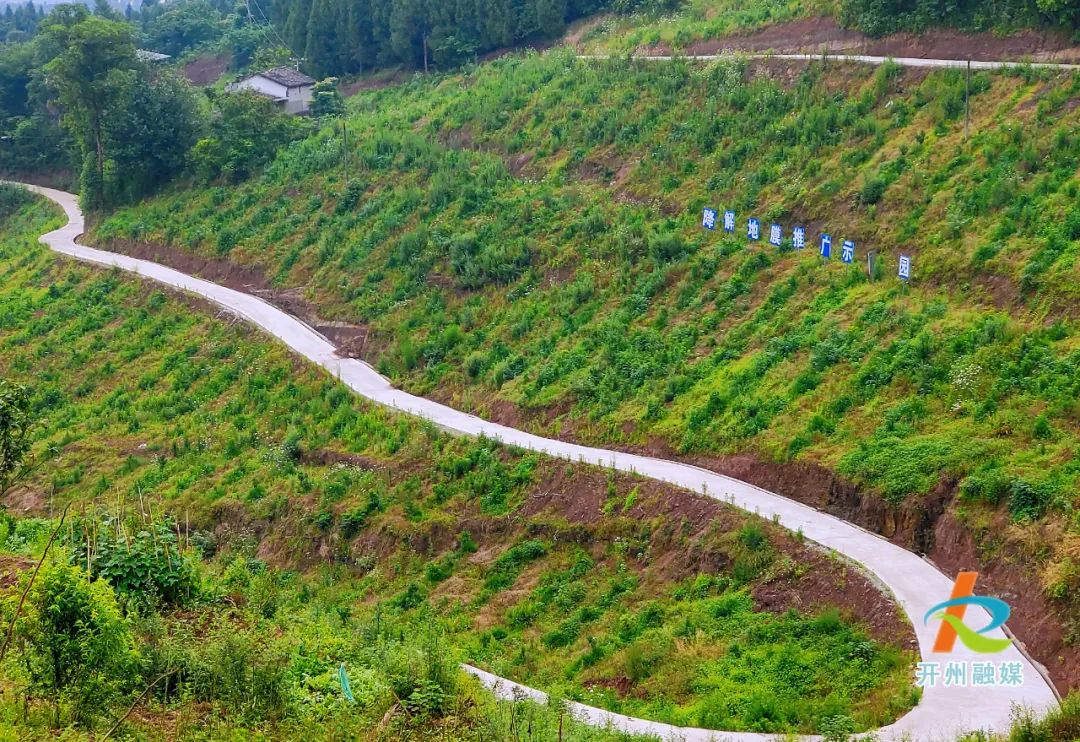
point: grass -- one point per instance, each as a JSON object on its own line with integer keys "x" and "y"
{"x": 323, "y": 530}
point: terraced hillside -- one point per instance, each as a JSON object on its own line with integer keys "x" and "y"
{"x": 523, "y": 240}
{"x": 311, "y": 529}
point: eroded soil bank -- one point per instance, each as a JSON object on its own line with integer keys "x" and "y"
{"x": 814, "y": 35}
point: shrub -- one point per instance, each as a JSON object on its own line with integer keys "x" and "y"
{"x": 1029, "y": 500}
{"x": 75, "y": 643}
{"x": 872, "y": 191}
{"x": 989, "y": 486}
{"x": 510, "y": 563}
{"x": 146, "y": 567}
{"x": 666, "y": 247}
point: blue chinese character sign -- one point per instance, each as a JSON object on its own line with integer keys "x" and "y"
{"x": 776, "y": 234}
{"x": 729, "y": 221}
{"x": 753, "y": 229}
{"x": 847, "y": 253}
{"x": 709, "y": 219}
{"x": 826, "y": 246}
{"x": 905, "y": 267}
{"x": 798, "y": 238}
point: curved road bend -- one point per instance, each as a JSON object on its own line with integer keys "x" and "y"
{"x": 943, "y": 712}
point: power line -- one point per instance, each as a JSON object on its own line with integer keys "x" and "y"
{"x": 266, "y": 19}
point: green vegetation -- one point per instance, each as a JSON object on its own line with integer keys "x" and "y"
{"x": 879, "y": 17}
{"x": 583, "y": 291}
{"x": 308, "y": 529}
{"x": 696, "y": 20}
{"x": 523, "y": 240}
{"x": 354, "y": 36}
{"x": 703, "y": 20}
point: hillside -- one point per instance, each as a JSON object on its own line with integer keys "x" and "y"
{"x": 523, "y": 240}
{"x": 322, "y": 531}
{"x": 978, "y": 30}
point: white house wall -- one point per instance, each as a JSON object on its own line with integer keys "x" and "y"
{"x": 264, "y": 86}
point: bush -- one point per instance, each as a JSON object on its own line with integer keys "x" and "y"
{"x": 872, "y": 191}
{"x": 510, "y": 563}
{"x": 75, "y": 643}
{"x": 667, "y": 247}
{"x": 145, "y": 568}
{"x": 990, "y": 486}
{"x": 1028, "y": 500}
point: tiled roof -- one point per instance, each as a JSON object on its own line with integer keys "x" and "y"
{"x": 288, "y": 77}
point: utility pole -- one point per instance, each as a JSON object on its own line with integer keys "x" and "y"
{"x": 967, "y": 101}
{"x": 345, "y": 150}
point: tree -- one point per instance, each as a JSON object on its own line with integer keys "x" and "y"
{"x": 86, "y": 76}
{"x": 76, "y": 645}
{"x": 325, "y": 99}
{"x": 184, "y": 26}
{"x": 322, "y": 48}
{"x": 409, "y": 31}
{"x": 15, "y": 426}
{"x": 245, "y": 133}
{"x": 154, "y": 122}
{"x": 550, "y": 17}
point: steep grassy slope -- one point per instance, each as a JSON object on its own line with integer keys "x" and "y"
{"x": 618, "y": 591}
{"x": 524, "y": 241}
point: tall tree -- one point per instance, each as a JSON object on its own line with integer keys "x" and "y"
{"x": 409, "y": 33}
{"x": 151, "y": 127}
{"x": 357, "y": 33}
{"x": 323, "y": 48}
{"x": 87, "y": 76}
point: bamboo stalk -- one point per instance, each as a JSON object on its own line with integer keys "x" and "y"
{"x": 26, "y": 590}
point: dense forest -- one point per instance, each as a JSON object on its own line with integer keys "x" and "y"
{"x": 350, "y": 36}
{"x": 19, "y": 21}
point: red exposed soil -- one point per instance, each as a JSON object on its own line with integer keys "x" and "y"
{"x": 206, "y": 70}
{"x": 812, "y": 35}
{"x": 10, "y": 569}
{"x": 622, "y": 685}
{"x": 671, "y": 534}
{"x": 681, "y": 541}
{"x": 376, "y": 82}
{"x": 332, "y": 458}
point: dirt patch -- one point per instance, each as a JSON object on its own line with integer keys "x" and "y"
{"x": 682, "y": 542}
{"x": 1036, "y": 622}
{"x": 11, "y": 567}
{"x": 206, "y": 70}
{"x": 26, "y": 499}
{"x": 335, "y": 458}
{"x": 814, "y": 35}
{"x": 622, "y": 685}
{"x": 373, "y": 82}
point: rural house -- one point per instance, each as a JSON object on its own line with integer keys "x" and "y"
{"x": 289, "y": 88}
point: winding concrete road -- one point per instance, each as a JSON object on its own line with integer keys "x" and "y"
{"x": 943, "y": 713}
{"x": 841, "y": 57}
